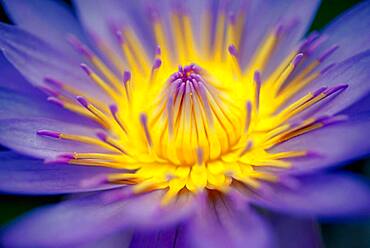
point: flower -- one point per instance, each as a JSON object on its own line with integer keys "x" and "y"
{"x": 203, "y": 123}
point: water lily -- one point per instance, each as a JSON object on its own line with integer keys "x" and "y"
{"x": 182, "y": 123}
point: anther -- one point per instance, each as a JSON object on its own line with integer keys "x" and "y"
{"x": 55, "y": 101}
{"x": 48, "y": 133}
{"x": 326, "y": 54}
{"x": 80, "y": 47}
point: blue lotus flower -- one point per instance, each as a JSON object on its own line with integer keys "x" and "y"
{"x": 182, "y": 123}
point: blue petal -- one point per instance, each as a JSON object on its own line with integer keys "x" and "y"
{"x": 353, "y": 72}
{"x": 50, "y": 20}
{"x": 325, "y": 196}
{"x": 295, "y": 232}
{"x": 333, "y": 145}
{"x": 23, "y": 175}
{"x": 12, "y": 79}
{"x": 264, "y": 16}
{"x": 164, "y": 238}
{"x": 100, "y": 16}
{"x": 84, "y": 220}
{"x": 36, "y": 60}
{"x": 350, "y": 31}
{"x": 222, "y": 225}
{"x": 21, "y": 135}
{"x": 33, "y": 104}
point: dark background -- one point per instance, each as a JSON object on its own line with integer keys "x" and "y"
{"x": 346, "y": 233}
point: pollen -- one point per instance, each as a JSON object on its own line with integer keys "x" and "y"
{"x": 188, "y": 116}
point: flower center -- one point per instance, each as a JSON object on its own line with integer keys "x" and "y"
{"x": 209, "y": 125}
{"x": 192, "y": 118}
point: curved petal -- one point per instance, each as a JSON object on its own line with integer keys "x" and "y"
{"x": 34, "y": 104}
{"x": 360, "y": 107}
{"x": 325, "y": 196}
{"x": 116, "y": 240}
{"x": 83, "y": 220}
{"x": 21, "y": 135}
{"x": 51, "y": 21}
{"x": 171, "y": 237}
{"x": 350, "y": 32}
{"x": 265, "y": 16}
{"x": 219, "y": 226}
{"x": 23, "y": 175}
{"x": 37, "y": 60}
{"x": 353, "y": 72}
{"x": 12, "y": 79}
{"x": 295, "y": 232}
{"x": 333, "y": 145}
{"x": 100, "y": 17}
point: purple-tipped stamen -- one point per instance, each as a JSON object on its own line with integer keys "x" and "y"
{"x": 233, "y": 51}
{"x": 55, "y": 101}
{"x": 157, "y": 63}
{"x": 53, "y": 82}
{"x": 77, "y": 44}
{"x": 48, "y": 133}
{"x": 82, "y": 100}
{"x": 327, "y": 68}
{"x": 327, "y": 53}
{"x": 86, "y": 69}
{"x": 297, "y": 59}
{"x": 336, "y": 89}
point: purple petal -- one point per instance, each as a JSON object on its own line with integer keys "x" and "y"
{"x": 360, "y": 107}
{"x": 168, "y": 238}
{"x": 334, "y": 145}
{"x": 265, "y": 16}
{"x": 295, "y": 232}
{"x": 100, "y": 18}
{"x": 12, "y": 79}
{"x": 83, "y": 220}
{"x": 37, "y": 60}
{"x": 325, "y": 196}
{"x": 21, "y": 136}
{"x": 218, "y": 226}
{"x": 23, "y": 175}
{"x": 116, "y": 240}
{"x": 350, "y": 32}
{"x": 51, "y": 21}
{"x": 353, "y": 72}
{"x": 34, "y": 104}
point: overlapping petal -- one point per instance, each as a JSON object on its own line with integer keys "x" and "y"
{"x": 334, "y": 145}
{"x": 37, "y": 60}
{"x": 101, "y": 18}
{"x": 14, "y": 104}
{"x": 50, "y": 20}
{"x": 263, "y": 17}
{"x": 294, "y": 232}
{"x": 12, "y": 79}
{"x": 353, "y": 73}
{"x": 21, "y": 135}
{"x": 171, "y": 237}
{"x": 229, "y": 226}
{"x": 350, "y": 31}
{"x": 325, "y": 196}
{"x": 84, "y": 220}
{"x": 24, "y": 175}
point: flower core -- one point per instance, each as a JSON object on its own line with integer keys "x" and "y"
{"x": 192, "y": 117}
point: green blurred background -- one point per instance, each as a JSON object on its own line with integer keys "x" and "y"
{"x": 346, "y": 233}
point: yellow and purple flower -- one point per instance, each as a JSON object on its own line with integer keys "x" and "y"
{"x": 182, "y": 123}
